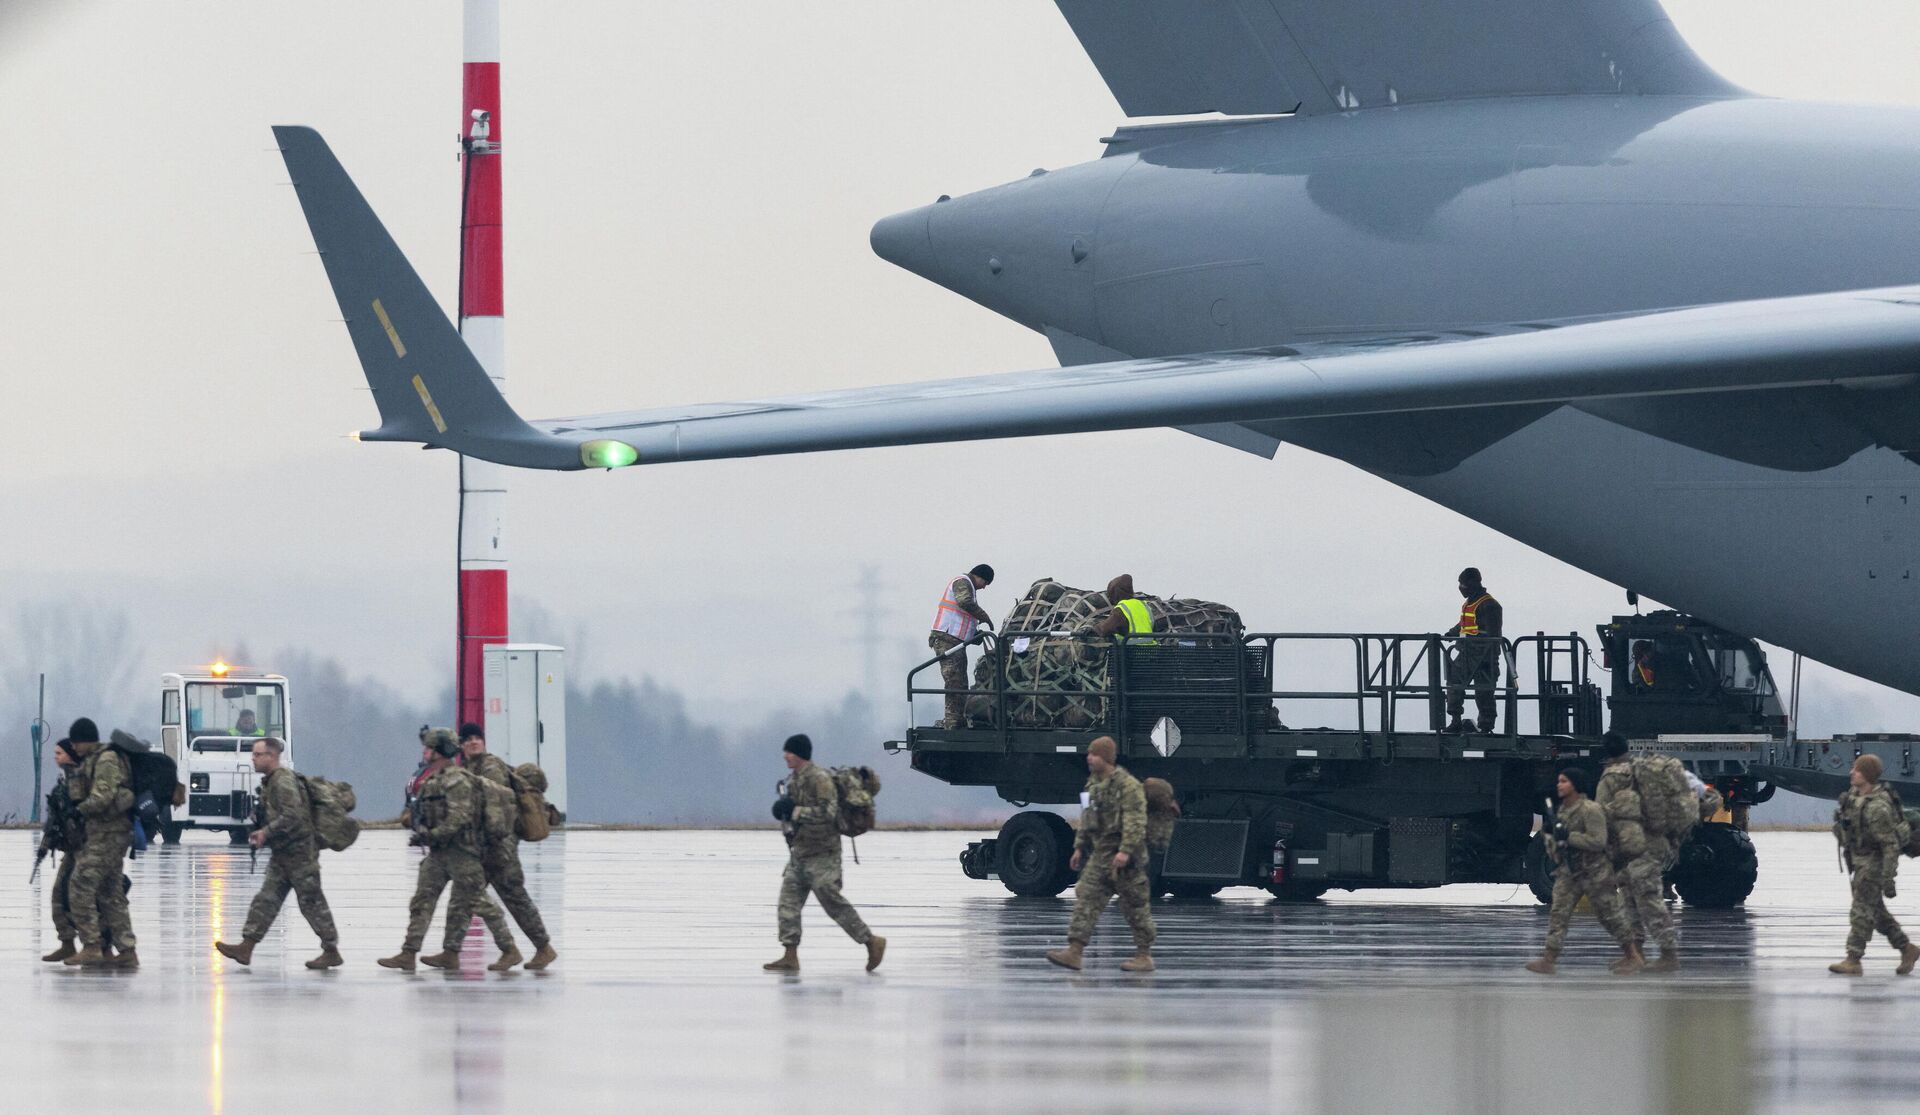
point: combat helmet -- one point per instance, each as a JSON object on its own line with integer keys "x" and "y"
{"x": 441, "y": 740}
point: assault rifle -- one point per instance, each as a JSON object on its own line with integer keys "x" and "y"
{"x": 56, "y": 826}
{"x": 1555, "y": 829}
{"x": 256, "y": 819}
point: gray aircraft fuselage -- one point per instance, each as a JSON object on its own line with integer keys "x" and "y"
{"x": 1778, "y": 514}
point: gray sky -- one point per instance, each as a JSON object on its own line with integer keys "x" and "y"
{"x": 689, "y": 190}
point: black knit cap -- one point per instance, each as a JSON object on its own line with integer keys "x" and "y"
{"x": 983, "y": 571}
{"x": 799, "y": 745}
{"x": 469, "y": 730}
{"x": 67, "y": 746}
{"x": 84, "y": 731}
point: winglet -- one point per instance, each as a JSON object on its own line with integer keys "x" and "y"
{"x": 426, "y": 382}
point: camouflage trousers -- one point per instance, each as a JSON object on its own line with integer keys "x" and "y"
{"x": 1478, "y": 666}
{"x": 953, "y": 676}
{"x": 295, "y": 869}
{"x": 96, "y": 896}
{"x": 469, "y": 878}
{"x": 818, "y": 875}
{"x": 1869, "y": 913}
{"x": 509, "y": 881}
{"x": 62, "y": 911}
{"x": 1641, "y": 881}
{"x": 1099, "y": 881}
{"x": 1596, "y": 886}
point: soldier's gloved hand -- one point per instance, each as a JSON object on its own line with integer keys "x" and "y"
{"x": 783, "y": 810}
{"x": 1560, "y": 831}
{"x": 417, "y": 840}
{"x": 1888, "y": 889}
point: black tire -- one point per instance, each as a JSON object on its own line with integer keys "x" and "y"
{"x": 236, "y": 836}
{"x": 1538, "y": 869}
{"x": 1031, "y": 854}
{"x": 1297, "y": 892}
{"x": 1188, "y": 890}
{"x": 1717, "y": 867}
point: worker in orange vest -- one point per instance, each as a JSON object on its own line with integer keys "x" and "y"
{"x": 954, "y": 624}
{"x": 1476, "y": 655}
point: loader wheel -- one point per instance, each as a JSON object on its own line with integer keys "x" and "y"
{"x": 1717, "y": 867}
{"x": 1537, "y": 866}
{"x": 1191, "y": 891}
{"x": 1031, "y": 854}
{"x": 1297, "y": 892}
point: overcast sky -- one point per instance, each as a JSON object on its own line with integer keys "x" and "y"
{"x": 689, "y": 188}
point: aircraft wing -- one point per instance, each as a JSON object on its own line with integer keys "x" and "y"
{"x": 431, "y": 390}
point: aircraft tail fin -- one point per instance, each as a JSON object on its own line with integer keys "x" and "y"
{"x": 1253, "y": 57}
{"x": 426, "y": 382}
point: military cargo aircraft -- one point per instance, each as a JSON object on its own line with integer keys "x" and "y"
{"x": 1535, "y": 262}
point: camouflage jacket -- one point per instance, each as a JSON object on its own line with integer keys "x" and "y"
{"x": 1864, "y": 825}
{"x": 98, "y": 787}
{"x": 286, "y": 813}
{"x": 450, "y": 810}
{"x": 492, "y": 766}
{"x": 1115, "y": 819}
{"x": 1620, "y": 801}
{"x": 814, "y": 828}
{"x": 1586, "y": 849}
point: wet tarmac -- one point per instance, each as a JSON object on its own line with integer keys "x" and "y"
{"x": 1370, "y": 1002}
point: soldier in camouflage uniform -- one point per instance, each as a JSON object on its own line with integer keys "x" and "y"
{"x": 958, "y": 616}
{"x": 1865, "y": 825}
{"x": 1579, "y": 845}
{"x": 501, "y": 859}
{"x": 1640, "y": 858}
{"x": 286, "y": 831}
{"x": 96, "y": 893}
{"x": 809, "y": 812}
{"x": 71, "y": 836}
{"x": 1110, "y": 853}
{"x": 448, "y": 824}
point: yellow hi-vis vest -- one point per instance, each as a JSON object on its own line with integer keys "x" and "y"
{"x": 1470, "y": 614}
{"x": 1139, "y": 619}
{"x": 951, "y": 618}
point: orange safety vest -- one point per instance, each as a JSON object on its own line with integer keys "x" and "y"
{"x": 1646, "y": 674}
{"x": 951, "y": 618}
{"x": 1470, "y": 615}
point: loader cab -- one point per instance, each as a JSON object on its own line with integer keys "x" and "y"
{"x": 1677, "y": 675}
{"x": 209, "y": 719}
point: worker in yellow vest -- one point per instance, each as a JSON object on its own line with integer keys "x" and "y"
{"x": 1129, "y": 616}
{"x": 1476, "y": 655}
{"x": 956, "y": 621}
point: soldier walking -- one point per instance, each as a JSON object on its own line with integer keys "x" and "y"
{"x": 1111, "y": 855}
{"x": 1640, "y": 858}
{"x": 286, "y": 831}
{"x": 96, "y": 891}
{"x": 954, "y": 624}
{"x": 447, "y": 823}
{"x": 501, "y": 860}
{"x": 1476, "y": 655}
{"x": 1579, "y": 845}
{"x": 1866, "y": 825}
{"x": 809, "y": 813}
{"x": 62, "y": 835}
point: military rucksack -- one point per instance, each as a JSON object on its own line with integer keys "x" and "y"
{"x": 1668, "y": 806}
{"x": 1906, "y": 825}
{"x": 855, "y": 787}
{"x": 1163, "y": 809}
{"x": 152, "y": 777}
{"x": 533, "y": 818}
{"x": 331, "y": 804}
{"x": 498, "y": 809}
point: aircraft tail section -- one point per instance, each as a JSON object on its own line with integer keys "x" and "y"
{"x": 427, "y": 384}
{"x": 1253, "y": 57}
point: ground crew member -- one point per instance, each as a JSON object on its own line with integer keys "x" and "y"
{"x": 1111, "y": 855}
{"x": 246, "y": 725}
{"x": 1865, "y": 826}
{"x": 447, "y": 823}
{"x": 1476, "y": 655}
{"x": 502, "y": 859}
{"x": 1129, "y": 616}
{"x": 1578, "y": 844}
{"x": 96, "y": 893}
{"x": 954, "y": 624}
{"x": 1642, "y": 674}
{"x": 809, "y": 813}
{"x": 286, "y": 831}
{"x": 1640, "y": 858}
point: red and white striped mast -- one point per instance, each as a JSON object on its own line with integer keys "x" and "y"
{"x": 482, "y": 606}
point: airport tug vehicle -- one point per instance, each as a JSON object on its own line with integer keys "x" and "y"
{"x": 1386, "y": 799}
{"x": 209, "y": 718}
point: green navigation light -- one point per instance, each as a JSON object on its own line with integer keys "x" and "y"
{"x": 606, "y": 453}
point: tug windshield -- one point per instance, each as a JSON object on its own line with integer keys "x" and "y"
{"x": 235, "y": 708}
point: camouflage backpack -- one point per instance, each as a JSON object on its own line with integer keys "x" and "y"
{"x": 1906, "y": 825}
{"x": 1668, "y": 806}
{"x": 499, "y": 810}
{"x": 855, "y": 787}
{"x": 534, "y": 818}
{"x": 331, "y": 802}
{"x": 1163, "y": 809}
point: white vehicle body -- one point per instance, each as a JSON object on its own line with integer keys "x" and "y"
{"x": 208, "y": 721}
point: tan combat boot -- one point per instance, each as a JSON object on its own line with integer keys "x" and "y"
{"x": 790, "y": 962}
{"x": 241, "y": 953}
{"x": 542, "y": 957}
{"x": 329, "y": 957}
{"x": 1629, "y": 963}
{"x": 1907, "y": 957}
{"x": 1669, "y": 960}
{"x": 1142, "y": 961}
{"x": 1848, "y": 967}
{"x": 89, "y": 957}
{"x": 1546, "y": 965}
{"x": 128, "y": 960}
{"x": 447, "y": 959}
{"x": 65, "y": 950}
{"x": 876, "y": 948}
{"x": 1069, "y": 957}
{"x": 402, "y": 960}
{"x": 510, "y": 959}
